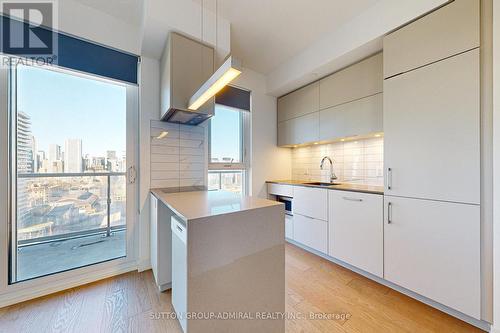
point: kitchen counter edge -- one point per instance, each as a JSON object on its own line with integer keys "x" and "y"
{"x": 371, "y": 189}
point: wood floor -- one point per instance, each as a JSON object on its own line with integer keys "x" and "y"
{"x": 131, "y": 303}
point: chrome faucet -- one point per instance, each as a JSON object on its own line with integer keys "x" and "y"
{"x": 332, "y": 174}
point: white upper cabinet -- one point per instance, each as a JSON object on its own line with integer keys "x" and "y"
{"x": 350, "y": 102}
{"x": 285, "y": 133}
{"x": 359, "y": 117}
{"x": 354, "y": 82}
{"x": 299, "y": 103}
{"x": 445, "y": 32}
{"x": 432, "y": 131}
{"x": 355, "y": 227}
{"x": 433, "y": 249}
{"x": 303, "y": 129}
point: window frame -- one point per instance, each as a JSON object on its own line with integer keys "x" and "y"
{"x": 92, "y": 272}
{"x": 245, "y": 141}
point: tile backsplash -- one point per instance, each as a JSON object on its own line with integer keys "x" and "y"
{"x": 359, "y": 161}
{"x": 179, "y": 159}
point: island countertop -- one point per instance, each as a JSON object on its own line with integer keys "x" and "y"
{"x": 200, "y": 204}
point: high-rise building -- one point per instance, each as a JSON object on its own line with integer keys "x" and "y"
{"x": 24, "y": 164}
{"x": 24, "y": 144}
{"x": 40, "y": 156}
{"x": 54, "y": 152}
{"x": 73, "y": 158}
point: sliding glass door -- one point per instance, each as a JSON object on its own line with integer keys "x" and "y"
{"x": 71, "y": 174}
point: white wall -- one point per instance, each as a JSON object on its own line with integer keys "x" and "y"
{"x": 149, "y": 110}
{"x": 88, "y": 23}
{"x": 355, "y": 40}
{"x": 496, "y": 166}
{"x": 268, "y": 162}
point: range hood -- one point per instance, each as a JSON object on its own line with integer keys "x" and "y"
{"x": 186, "y": 117}
{"x": 186, "y": 65}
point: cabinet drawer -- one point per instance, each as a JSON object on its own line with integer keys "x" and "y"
{"x": 447, "y": 31}
{"x": 433, "y": 249}
{"x": 280, "y": 189}
{"x": 289, "y": 226}
{"x": 311, "y": 232}
{"x": 311, "y": 202}
{"x": 355, "y": 227}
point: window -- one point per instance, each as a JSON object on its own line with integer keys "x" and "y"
{"x": 228, "y": 160}
{"x": 69, "y": 153}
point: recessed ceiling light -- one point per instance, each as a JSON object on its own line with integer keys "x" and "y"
{"x": 377, "y": 135}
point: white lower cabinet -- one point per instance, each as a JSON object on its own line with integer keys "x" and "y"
{"x": 356, "y": 230}
{"x": 160, "y": 249}
{"x": 311, "y": 232}
{"x": 289, "y": 226}
{"x": 433, "y": 249}
{"x": 179, "y": 274}
{"x": 311, "y": 201}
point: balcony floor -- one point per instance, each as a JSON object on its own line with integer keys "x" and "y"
{"x": 48, "y": 258}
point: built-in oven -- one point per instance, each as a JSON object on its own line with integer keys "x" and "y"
{"x": 288, "y": 204}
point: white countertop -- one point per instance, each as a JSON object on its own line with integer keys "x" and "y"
{"x": 200, "y": 204}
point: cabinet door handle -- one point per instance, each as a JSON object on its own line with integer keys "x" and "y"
{"x": 352, "y": 199}
{"x": 389, "y": 178}
{"x": 389, "y": 213}
{"x": 309, "y": 217}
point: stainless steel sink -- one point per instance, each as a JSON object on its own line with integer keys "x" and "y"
{"x": 321, "y": 184}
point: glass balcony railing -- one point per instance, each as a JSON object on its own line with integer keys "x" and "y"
{"x": 226, "y": 180}
{"x": 58, "y": 206}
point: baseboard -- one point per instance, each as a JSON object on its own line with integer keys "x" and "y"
{"x": 26, "y": 294}
{"x": 165, "y": 286}
{"x": 144, "y": 265}
{"x": 481, "y": 324}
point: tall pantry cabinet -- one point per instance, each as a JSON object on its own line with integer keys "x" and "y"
{"x": 432, "y": 156}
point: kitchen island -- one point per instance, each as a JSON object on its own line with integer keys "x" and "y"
{"x": 228, "y": 261}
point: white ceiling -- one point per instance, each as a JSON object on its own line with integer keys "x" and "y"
{"x": 129, "y": 11}
{"x": 291, "y": 42}
{"x": 266, "y": 33}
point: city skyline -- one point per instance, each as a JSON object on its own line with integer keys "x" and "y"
{"x": 56, "y": 160}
